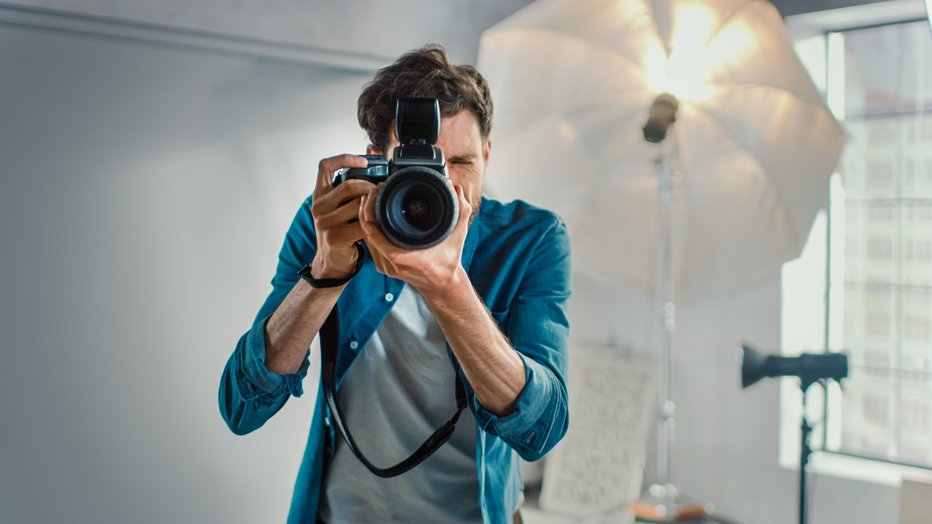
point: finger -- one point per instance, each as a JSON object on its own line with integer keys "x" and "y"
{"x": 328, "y": 166}
{"x": 368, "y": 225}
{"x": 367, "y": 208}
{"x": 345, "y": 214}
{"x": 352, "y": 189}
{"x": 369, "y": 230}
{"x": 465, "y": 206}
{"x": 347, "y": 234}
{"x": 374, "y": 236}
{"x": 333, "y": 199}
{"x": 383, "y": 262}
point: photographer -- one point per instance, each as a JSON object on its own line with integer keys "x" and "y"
{"x": 476, "y": 321}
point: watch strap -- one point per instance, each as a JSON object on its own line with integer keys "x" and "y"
{"x": 319, "y": 283}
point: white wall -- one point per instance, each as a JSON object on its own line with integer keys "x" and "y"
{"x": 145, "y": 194}
{"x": 352, "y": 29}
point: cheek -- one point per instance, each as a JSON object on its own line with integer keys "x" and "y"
{"x": 455, "y": 177}
{"x": 469, "y": 179}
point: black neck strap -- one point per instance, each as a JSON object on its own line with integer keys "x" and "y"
{"x": 329, "y": 342}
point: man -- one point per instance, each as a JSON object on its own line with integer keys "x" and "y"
{"x": 492, "y": 295}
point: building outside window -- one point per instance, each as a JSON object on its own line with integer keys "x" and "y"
{"x": 876, "y": 243}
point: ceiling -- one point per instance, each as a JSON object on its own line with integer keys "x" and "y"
{"x": 366, "y": 33}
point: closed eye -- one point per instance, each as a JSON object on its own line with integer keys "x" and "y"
{"x": 461, "y": 160}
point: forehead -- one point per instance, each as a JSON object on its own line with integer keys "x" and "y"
{"x": 459, "y": 133}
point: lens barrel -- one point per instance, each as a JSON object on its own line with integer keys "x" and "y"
{"x": 416, "y": 208}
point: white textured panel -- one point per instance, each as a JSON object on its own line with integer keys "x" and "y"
{"x": 598, "y": 467}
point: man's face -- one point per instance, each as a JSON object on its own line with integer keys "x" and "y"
{"x": 466, "y": 153}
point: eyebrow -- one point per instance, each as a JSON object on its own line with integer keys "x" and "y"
{"x": 462, "y": 158}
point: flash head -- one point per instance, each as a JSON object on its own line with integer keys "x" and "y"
{"x": 417, "y": 120}
{"x": 809, "y": 367}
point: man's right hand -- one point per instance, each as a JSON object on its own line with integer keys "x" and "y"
{"x": 336, "y": 217}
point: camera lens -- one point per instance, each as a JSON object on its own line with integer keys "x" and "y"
{"x": 419, "y": 207}
{"x": 416, "y": 208}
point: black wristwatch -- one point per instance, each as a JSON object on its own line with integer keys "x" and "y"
{"x": 332, "y": 282}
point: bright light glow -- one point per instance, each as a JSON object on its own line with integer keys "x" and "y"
{"x": 699, "y": 49}
{"x": 693, "y": 24}
{"x": 729, "y": 46}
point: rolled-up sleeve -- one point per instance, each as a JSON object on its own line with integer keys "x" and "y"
{"x": 249, "y": 393}
{"x": 538, "y": 329}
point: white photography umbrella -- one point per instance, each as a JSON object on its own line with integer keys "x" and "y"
{"x": 728, "y": 196}
{"x": 573, "y": 82}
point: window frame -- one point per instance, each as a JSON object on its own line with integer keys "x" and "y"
{"x": 823, "y": 402}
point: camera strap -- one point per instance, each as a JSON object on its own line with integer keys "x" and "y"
{"x": 329, "y": 343}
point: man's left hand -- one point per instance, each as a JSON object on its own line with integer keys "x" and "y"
{"x": 431, "y": 270}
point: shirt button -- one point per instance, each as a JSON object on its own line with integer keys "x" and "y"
{"x": 389, "y": 297}
{"x": 353, "y": 344}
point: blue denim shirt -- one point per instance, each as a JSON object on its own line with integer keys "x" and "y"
{"x": 518, "y": 259}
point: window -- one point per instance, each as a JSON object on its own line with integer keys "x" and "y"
{"x": 879, "y": 242}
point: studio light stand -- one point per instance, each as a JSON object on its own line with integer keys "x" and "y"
{"x": 810, "y": 368}
{"x": 804, "y": 452}
{"x": 663, "y": 501}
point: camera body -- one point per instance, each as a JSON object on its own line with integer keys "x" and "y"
{"x": 416, "y": 207}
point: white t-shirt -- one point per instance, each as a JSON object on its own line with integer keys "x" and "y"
{"x": 398, "y": 391}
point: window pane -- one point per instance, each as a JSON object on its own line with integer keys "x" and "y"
{"x": 886, "y": 226}
{"x": 884, "y": 70}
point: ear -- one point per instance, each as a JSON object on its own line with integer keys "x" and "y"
{"x": 372, "y": 150}
{"x": 486, "y": 150}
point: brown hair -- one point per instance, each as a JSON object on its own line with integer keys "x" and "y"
{"x": 424, "y": 72}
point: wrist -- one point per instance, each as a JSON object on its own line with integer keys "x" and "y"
{"x": 334, "y": 264}
{"x": 445, "y": 287}
{"x": 307, "y": 273}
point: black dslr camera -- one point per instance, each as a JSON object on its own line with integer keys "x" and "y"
{"x": 416, "y": 207}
